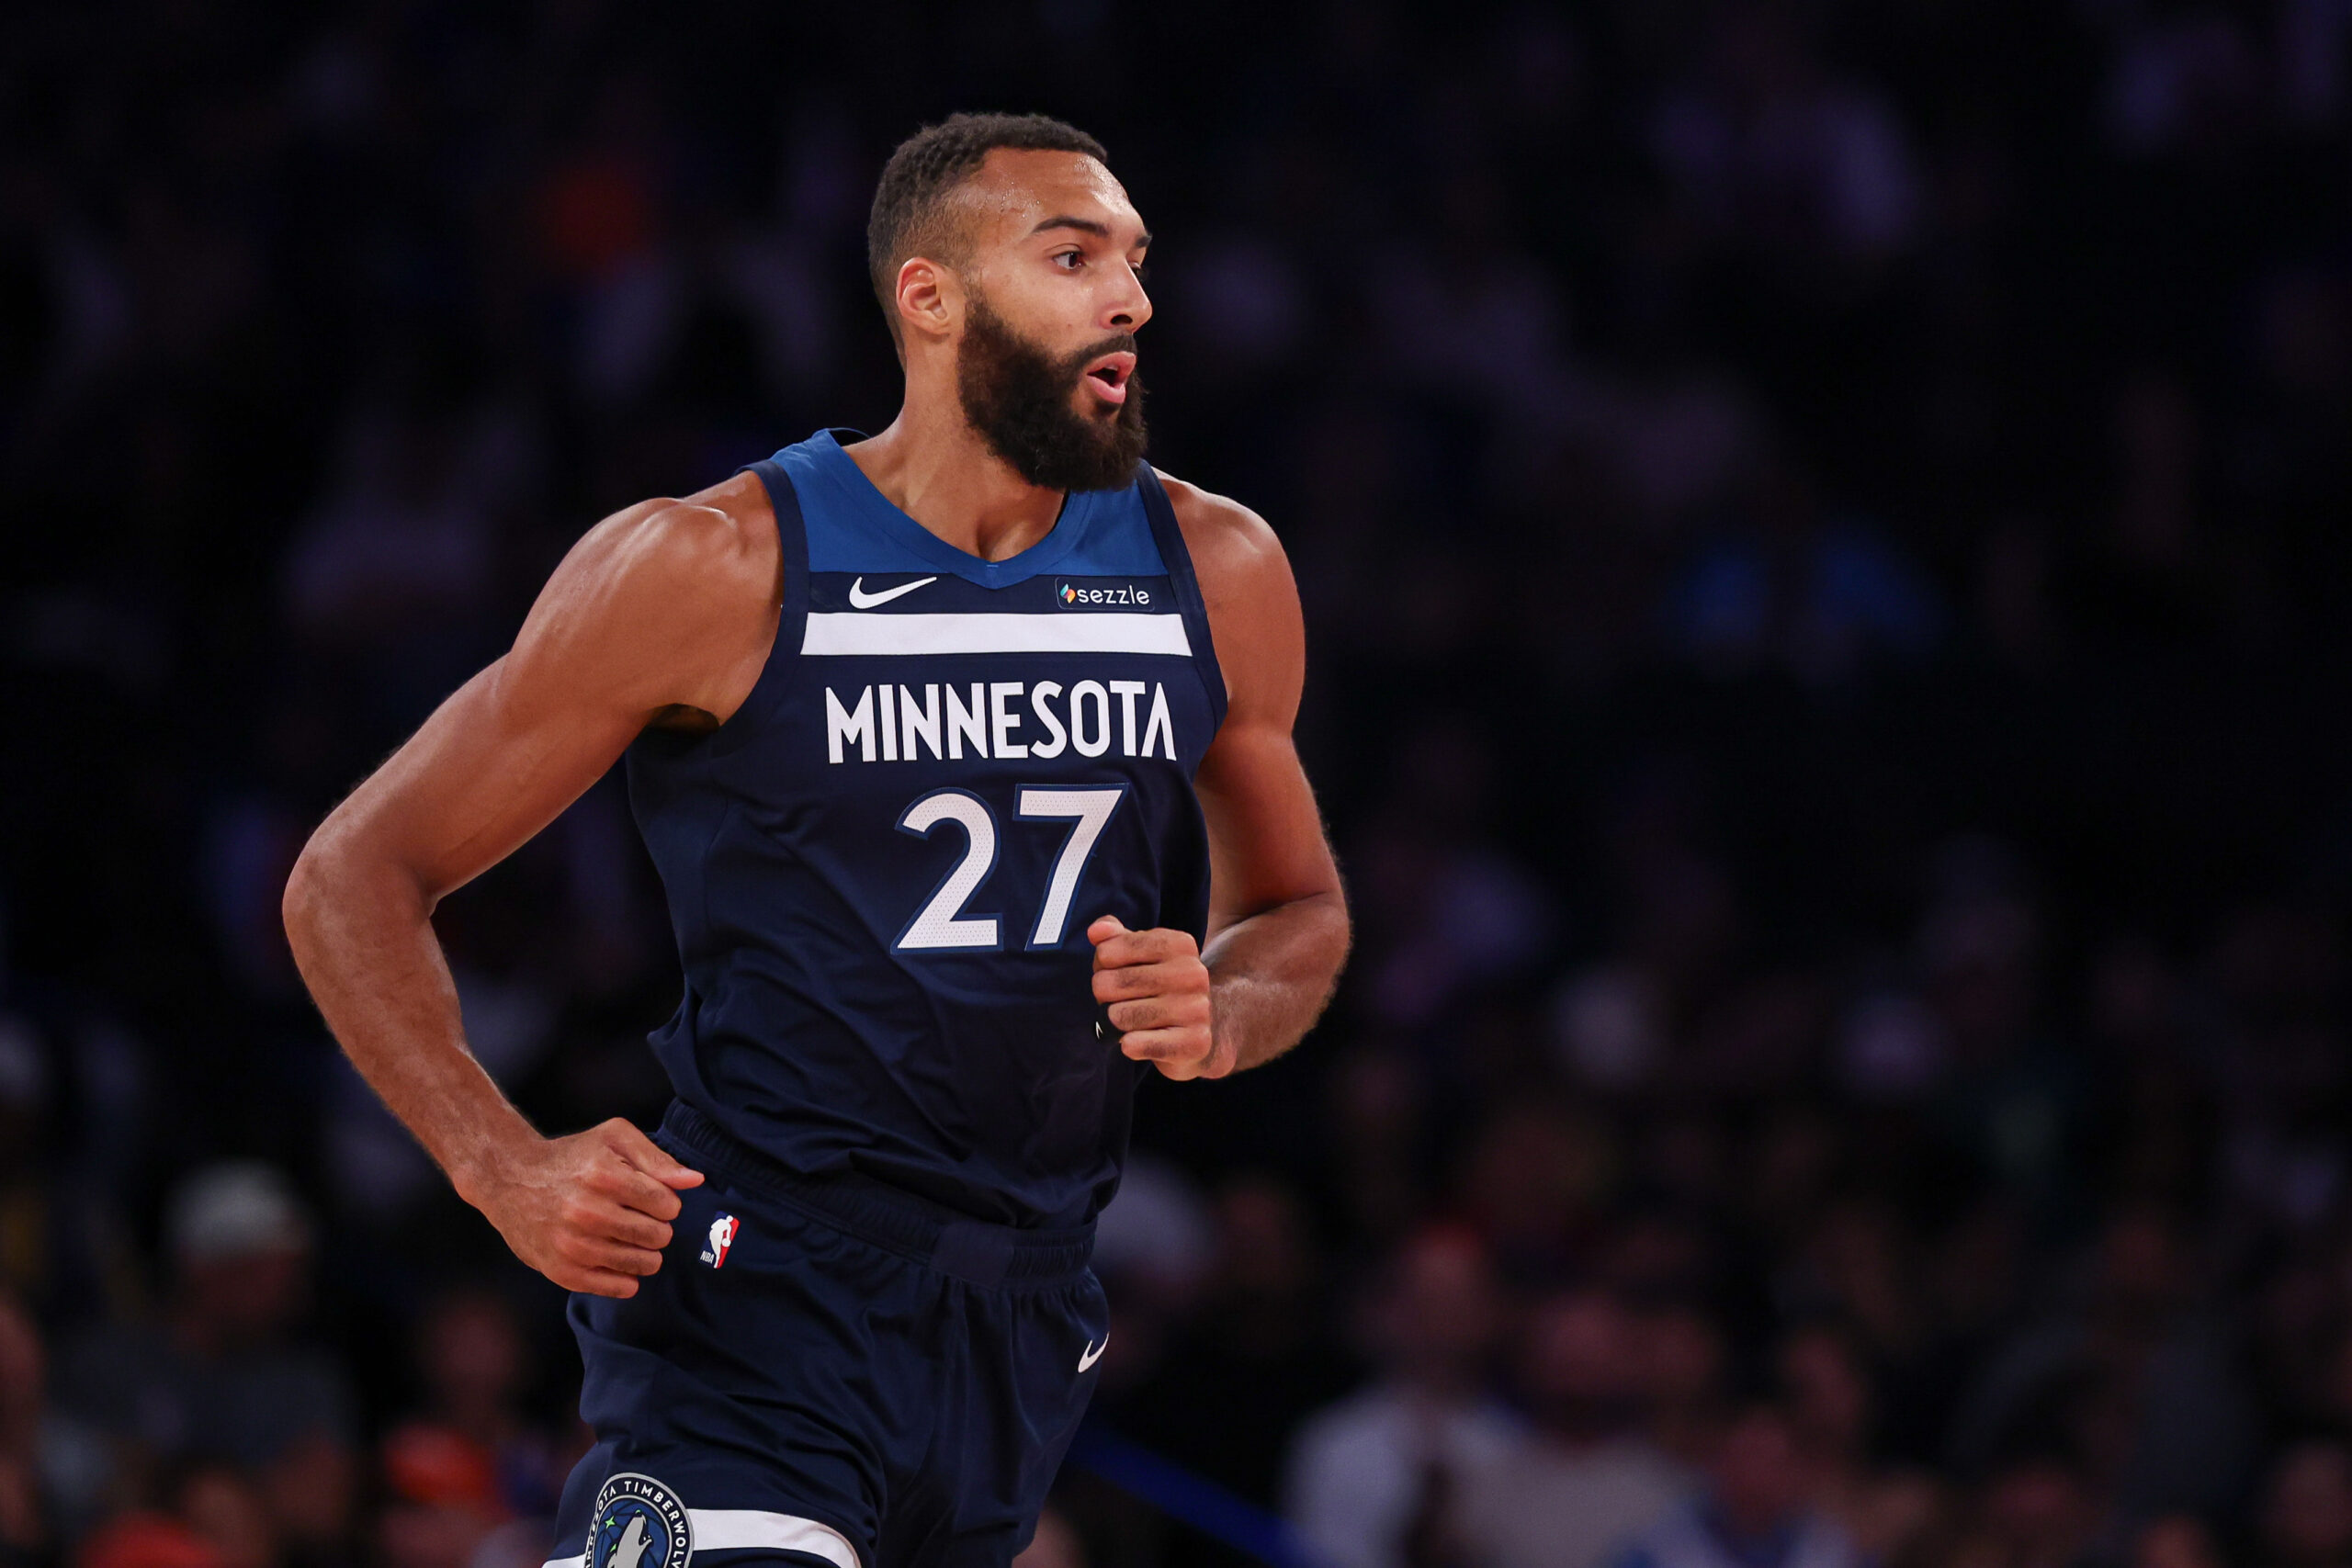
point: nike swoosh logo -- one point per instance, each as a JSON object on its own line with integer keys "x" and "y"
{"x": 859, "y": 599}
{"x": 1093, "y": 1353}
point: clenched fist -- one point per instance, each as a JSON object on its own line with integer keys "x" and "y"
{"x": 591, "y": 1211}
{"x": 1157, "y": 989}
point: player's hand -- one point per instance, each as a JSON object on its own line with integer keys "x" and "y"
{"x": 591, "y": 1211}
{"x": 1157, "y": 989}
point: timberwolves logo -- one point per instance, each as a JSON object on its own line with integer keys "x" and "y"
{"x": 639, "y": 1523}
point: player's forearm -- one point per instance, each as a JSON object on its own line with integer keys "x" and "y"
{"x": 362, "y": 933}
{"x": 1270, "y": 976}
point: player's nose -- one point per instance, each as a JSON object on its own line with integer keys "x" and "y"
{"x": 1130, "y": 307}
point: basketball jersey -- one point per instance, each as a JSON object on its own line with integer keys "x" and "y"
{"x": 881, "y": 868}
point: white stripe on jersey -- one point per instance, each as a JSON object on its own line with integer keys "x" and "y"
{"x": 842, "y": 634}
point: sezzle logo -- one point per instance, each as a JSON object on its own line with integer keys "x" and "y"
{"x": 1071, "y": 596}
{"x": 722, "y": 1237}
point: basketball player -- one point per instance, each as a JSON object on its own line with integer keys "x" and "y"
{"x": 965, "y": 753}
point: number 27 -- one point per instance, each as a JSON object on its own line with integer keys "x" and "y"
{"x": 940, "y": 924}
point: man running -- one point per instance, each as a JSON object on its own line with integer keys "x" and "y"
{"x": 965, "y": 754}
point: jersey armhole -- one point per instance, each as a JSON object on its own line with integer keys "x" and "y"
{"x": 792, "y": 613}
{"x": 1168, "y": 534}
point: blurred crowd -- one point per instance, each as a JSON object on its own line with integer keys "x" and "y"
{"x": 1826, "y": 531}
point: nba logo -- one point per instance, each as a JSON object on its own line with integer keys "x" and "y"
{"x": 722, "y": 1237}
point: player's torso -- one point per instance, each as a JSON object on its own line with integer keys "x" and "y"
{"x": 881, "y": 869}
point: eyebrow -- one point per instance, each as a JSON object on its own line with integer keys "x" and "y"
{"x": 1090, "y": 226}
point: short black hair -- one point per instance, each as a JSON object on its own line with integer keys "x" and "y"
{"x": 933, "y": 163}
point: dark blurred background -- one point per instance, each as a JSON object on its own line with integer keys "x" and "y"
{"x": 1825, "y": 537}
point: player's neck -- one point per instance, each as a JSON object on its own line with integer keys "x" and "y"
{"x": 931, "y": 465}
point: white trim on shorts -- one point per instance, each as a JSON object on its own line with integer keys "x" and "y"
{"x": 755, "y": 1529}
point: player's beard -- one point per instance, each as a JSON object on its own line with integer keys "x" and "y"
{"x": 1020, "y": 399}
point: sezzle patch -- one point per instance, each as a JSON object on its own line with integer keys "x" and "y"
{"x": 1071, "y": 596}
{"x": 639, "y": 1523}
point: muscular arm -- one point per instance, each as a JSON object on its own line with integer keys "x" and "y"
{"x": 1278, "y": 918}
{"x": 664, "y": 611}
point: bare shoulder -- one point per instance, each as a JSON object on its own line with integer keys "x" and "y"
{"x": 1251, "y": 598}
{"x": 716, "y": 545}
{"x": 675, "y": 599}
{"x": 1232, "y": 548}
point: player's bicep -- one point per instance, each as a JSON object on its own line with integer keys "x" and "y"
{"x": 497, "y": 762}
{"x": 629, "y": 624}
{"x": 1266, "y": 842}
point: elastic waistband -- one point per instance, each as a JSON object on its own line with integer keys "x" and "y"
{"x": 967, "y": 1250}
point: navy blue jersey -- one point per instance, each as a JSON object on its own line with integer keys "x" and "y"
{"x": 881, "y": 869}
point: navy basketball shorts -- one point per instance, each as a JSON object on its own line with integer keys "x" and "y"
{"x": 828, "y": 1372}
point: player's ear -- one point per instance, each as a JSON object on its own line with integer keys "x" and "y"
{"x": 929, "y": 297}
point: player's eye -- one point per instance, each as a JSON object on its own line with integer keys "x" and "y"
{"x": 1143, "y": 272}
{"x": 1069, "y": 261}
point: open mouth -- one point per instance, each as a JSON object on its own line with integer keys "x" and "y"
{"x": 1108, "y": 376}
